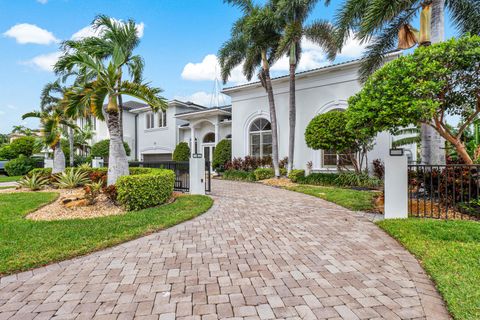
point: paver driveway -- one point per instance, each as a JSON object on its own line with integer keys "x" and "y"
{"x": 260, "y": 252}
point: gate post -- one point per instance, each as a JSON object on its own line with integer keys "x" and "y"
{"x": 396, "y": 187}
{"x": 197, "y": 175}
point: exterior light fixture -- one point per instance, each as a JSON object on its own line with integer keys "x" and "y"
{"x": 394, "y": 152}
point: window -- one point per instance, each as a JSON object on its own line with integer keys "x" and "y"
{"x": 162, "y": 119}
{"x": 209, "y": 138}
{"x": 150, "y": 120}
{"x": 260, "y": 137}
{"x": 332, "y": 159}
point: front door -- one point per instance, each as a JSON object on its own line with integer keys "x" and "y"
{"x": 208, "y": 152}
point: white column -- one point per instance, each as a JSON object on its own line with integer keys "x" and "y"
{"x": 197, "y": 176}
{"x": 192, "y": 139}
{"x": 216, "y": 133}
{"x": 396, "y": 187}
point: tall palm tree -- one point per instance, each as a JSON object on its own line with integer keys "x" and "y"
{"x": 388, "y": 25}
{"x": 253, "y": 44}
{"x": 52, "y": 122}
{"x": 113, "y": 34}
{"x": 106, "y": 84}
{"x": 321, "y": 32}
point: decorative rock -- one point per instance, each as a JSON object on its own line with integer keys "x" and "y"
{"x": 76, "y": 203}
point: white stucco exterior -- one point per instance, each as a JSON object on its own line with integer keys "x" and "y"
{"x": 318, "y": 91}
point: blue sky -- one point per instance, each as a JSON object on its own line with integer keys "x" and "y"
{"x": 179, "y": 41}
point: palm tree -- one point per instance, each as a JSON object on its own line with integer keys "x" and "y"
{"x": 113, "y": 34}
{"x": 388, "y": 24}
{"x": 321, "y": 32}
{"x": 52, "y": 120}
{"x": 253, "y": 44}
{"x": 106, "y": 84}
{"x": 22, "y": 130}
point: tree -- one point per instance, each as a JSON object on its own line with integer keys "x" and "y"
{"x": 23, "y": 130}
{"x": 295, "y": 15}
{"x": 388, "y": 24}
{"x": 102, "y": 149}
{"x": 328, "y": 131}
{"x": 105, "y": 82}
{"x": 253, "y": 44}
{"x": 181, "y": 152}
{"x": 426, "y": 87}
{"x": 222, "y": 154}
{"x": 23, "y": 146}
{"x": 52, "y": 121}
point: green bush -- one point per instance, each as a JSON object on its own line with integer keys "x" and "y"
{"x": 140, "y": 170}
{"x": 296, "y": 175}
{"x": 142, "y": 191}
{"x": 101, "y": 149}
{"x": 23, "y": 146}
{"x": 34, "y": 182}
{"x": 319, "y": 179}
{"x": 43, "y": 172}
{"x": 20, "y": 166}
{"x": 7, "y": 153}
{"x": 353, "y": 179}
{"x": 283, "y": 172}
{"x": 239, "y": 175}
{"x": 72, "y": 178}
{"x": 263, "y": 173}
{"x": 181, "y": 152}
{"x": 221, "y": 155}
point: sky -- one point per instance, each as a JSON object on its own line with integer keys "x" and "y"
{"x": 179, "y": 42}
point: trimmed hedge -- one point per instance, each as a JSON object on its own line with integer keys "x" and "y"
{"x": 221, "y": 155}
{"x": 181, "y": 152}
{"x": 320, "y": 179}
{"x": 296, "y": 175}
{"x": 20, "y": 166}
{"x": 263, "y": 173}
{"x": 102, "y": 149}
{"x": 140, "y": 191}
{"x": 239, "y": 175}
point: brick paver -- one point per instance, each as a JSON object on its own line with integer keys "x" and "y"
{"x": 259, "y": 253}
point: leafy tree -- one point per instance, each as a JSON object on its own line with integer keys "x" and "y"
{"x": 102, "y": 148}
{"x": 222, "y": 154}
{"x": 181, "y": 152}
{"x": 253, "y": 44}
{"x": 295, "y": 28}
{"x": 6, "y": 152}
{"x": 328, "y": 131}
{"x": 426, "y": 87}
{"x": 23, "y": 146}
{"x": 100, "y": 78}
{"x": 23, "y": 130}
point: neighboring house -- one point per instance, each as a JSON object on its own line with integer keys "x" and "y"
{"x": 153, "y": 136}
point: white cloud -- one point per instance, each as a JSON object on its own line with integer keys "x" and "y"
{"x": 45, "y": 62}
{"x": 42, "y": 1}
{"x": 88, "y": 31}
{"x": 25, "y": 33}
{"x": 353, "y": 48}
{"x": 205, "y": 99}
{"x": 209, "y": 69}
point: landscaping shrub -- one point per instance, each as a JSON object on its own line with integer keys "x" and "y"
{"x": 283, "y": 172}
{"x": 296, "y": 175}
{"x": 71, "y": 178}
{"x": 111, "y": 193}
{"x": 142, "y": 191}
{"x": 20, "y": 166}
{"x": 248, "y": 163}
{"x": 92, "y": 191}
{"x": 378, "y": 169}
{"x": 353, "y": 179}
{"x": 7, "y": 153}
{"x": 263, "y": 173}
{"x": 34, "y": 182}
{"x": 23, "y": 146}
{"x": 181, "y": 152}
{"x": 140, "y": 170}
{"x": 44, "y": 172}
{"x": 221, "y": 155}
{"x": 319, "y": 179}
{"x": 239, "y": 175}
{"x": 101, "y": 149}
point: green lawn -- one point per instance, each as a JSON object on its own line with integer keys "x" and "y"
{"x": 8, "y": 187}
{"x": 25, "y": 244}
{"x": 9, "y": 179}
{"x": 450, "y": 252}
{"x": 348, "y": 198}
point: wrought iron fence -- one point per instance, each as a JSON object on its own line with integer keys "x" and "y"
{"x": 444, "y": 191}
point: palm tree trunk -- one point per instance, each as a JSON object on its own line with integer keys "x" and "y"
{"x": 120, "y": 115}
{"x": 117, "y": 157}
{"x": 292, "y": 118}
{"x": 433, "y": 145}
{"x": 58, "y": 159}
{"x": 273, "y": 116}
{"x": 71, "y": 146}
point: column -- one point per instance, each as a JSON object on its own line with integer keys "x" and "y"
{"x": 192, "y": 139}
{"x": 216, "y": 133}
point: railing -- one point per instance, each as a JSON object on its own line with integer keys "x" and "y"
{"x": 444, "y": 191}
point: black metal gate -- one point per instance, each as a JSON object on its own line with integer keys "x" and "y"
{"x": 444, "y": 191}
{"x": 182, "y": 172}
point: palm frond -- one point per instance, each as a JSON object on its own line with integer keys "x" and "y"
{"x": 406, "y": 141}
{"x": 231, "y": 54}
{"x": 144, "y": 92}
{"x": 135, "y": 68}
{"x": 465, "y": 15}
{"x": 33, "y": 114}
{"x": 244, "y": 5}
{"x": 347, "y": 19}
{"x": 323, "y": 33}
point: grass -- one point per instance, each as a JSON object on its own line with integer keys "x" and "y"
{"x": 8, "y": 187}
{"x": 25, "y": 244}
{"x": 450, "y": 253}
{"x": 348, "y": 198}
{"x": 10, "y": 179}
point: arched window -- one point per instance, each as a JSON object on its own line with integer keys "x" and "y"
{"x": 260, "y": 136}
{"x": 209, "y": 138}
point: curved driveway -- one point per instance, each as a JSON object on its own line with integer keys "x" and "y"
{"x": 259, "y": 253}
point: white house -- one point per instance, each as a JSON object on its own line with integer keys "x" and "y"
{"x": 153, "y": 136}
